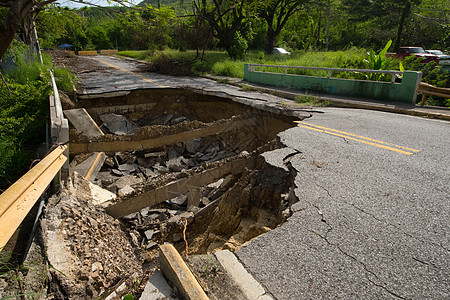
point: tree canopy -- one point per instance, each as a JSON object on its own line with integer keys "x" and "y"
{"x": 232, "y": 25}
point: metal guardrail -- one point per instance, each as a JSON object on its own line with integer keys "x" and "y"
{"x": 59, "y": 126}
{"x": 19, "y": 198}
{"x": 252, "y": 68}
{"x": 428, "y": 89}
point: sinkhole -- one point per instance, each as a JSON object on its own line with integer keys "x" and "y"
{"x": 185, "y": 167}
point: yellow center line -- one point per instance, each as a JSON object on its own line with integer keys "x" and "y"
{"x": 361, "y": 137}
{"x": 131, "y": 72}
{"x": 358, "y": 140}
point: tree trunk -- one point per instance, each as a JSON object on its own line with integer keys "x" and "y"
{"x": 327, "y": 31}
{"x": 405, "y": 13}
{"x": 8, "y": 28}
{"x": 270, "y": 40}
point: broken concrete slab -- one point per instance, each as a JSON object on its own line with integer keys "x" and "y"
{"x": 83, "y": 122}
{"x": 127, "y": 169}
{"x": 126, "y": 180}
{"x": 179, "y": 200}
{"x": 125, "y": 191}
{"x": 157, "y": 288}
{"x": 118, "y": 124}
{"x": 150, "y": 233}
{"x": 88, "y": 191}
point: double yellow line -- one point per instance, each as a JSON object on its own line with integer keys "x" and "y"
{"x": 359, "y": 138}
{"x": 131, "y": 72}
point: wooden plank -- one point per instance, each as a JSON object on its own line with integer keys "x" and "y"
{"x": 8, "y": 197}
{"x": 177, "y": 272}
{"x": 90, "y": 167}
{"x": 115, "y": 146}
{"x": 178, "y": 187}
{"x": 17, "y": 200}
{"x": 83, "y": 122}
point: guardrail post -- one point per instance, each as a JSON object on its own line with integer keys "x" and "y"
{"x": 59, "y": 126}
{"x": 329, "y": 73}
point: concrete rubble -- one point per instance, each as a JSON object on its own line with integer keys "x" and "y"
{"x": 87, "y": 249}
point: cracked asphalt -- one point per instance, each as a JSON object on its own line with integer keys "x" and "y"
{"x": 370, "y": 223}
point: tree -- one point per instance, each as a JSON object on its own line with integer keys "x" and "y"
{"x": 384, "y": 11}
{"x": 17, "y": 11}
{"x": 276, "y": 13}
{"x": 226, "y": 18}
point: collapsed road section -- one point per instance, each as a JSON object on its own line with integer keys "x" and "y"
{"x": 156, "y": 166}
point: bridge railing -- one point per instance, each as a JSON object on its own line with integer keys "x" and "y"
{"x": 252, "y": 68}
{"x": 404, "y": 91}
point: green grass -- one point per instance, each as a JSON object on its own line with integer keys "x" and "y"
{"x": 65, "y": 79}
{"x": 311, "y": 100}
{"x": 218, "y": 63}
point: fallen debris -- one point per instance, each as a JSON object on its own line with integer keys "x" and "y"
{"x": 88, "y": 249}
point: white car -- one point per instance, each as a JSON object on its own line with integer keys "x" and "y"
{"x": 281, "y": 51}
{"x": 444, "y": 59}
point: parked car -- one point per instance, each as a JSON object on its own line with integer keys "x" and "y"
{"x": 416, "y": 51}
{"x": 444, "y": 59}
{"x": 280, "y": 51}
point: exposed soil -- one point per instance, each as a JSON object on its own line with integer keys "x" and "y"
{"x": 77, "y": 64}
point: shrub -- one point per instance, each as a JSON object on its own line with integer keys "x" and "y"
{"x": 65, "y": 80}
{"x": 239, "y": 46}
{"x": 23, "y": 114}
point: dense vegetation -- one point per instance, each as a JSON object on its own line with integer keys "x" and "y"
{"x": 24, "y": 109}
{"x": 308, "y": 25}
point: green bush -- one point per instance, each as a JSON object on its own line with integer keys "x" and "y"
{"x": 239, "y": 46}
{"x": 23, "y": 114}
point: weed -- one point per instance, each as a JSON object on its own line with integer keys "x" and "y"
{"x": 223, "y": 80}
{"x": 211, "y": 267}
{"x": 65, "y": 79}
{"x": 311, "y": 100}
{"x": 245, "y": 87}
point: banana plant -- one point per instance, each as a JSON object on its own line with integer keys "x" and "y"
{"x": 378, "y": 62}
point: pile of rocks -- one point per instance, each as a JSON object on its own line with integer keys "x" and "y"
{"x": 152, "y": 226}
{"x": 123, "y": 172}
{"x": 87, "y": 248}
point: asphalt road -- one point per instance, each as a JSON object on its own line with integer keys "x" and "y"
{"x": 372, "y": 221}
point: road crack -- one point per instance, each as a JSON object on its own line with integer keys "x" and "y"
{"x": 394, "y": 226}
{"x": 353, "y": 258}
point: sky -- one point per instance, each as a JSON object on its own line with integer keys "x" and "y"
{"x": 96, "y": 2}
